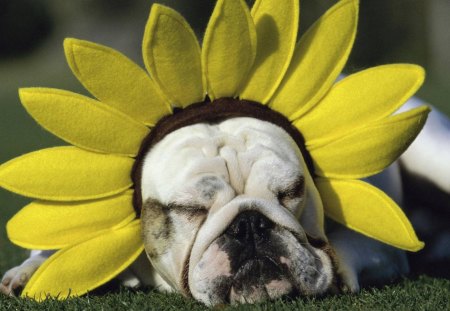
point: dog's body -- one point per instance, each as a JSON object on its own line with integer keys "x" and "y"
{"x": 231, "y": 214}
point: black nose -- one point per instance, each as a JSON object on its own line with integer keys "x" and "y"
{"x": 249, "y": 227}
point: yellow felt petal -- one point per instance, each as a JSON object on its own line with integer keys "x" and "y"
{"x": 55, "y": 225}
{"x": 229, "y": 48}
{"x": 77, "y": 269}
{"x": 371, "y": 149}
{"x": 66, "y": 174}
{"x": 358, "y": 99}
{"x": 276, "y": 27}
{"x": 318, "y": 59}
{"x": 84, "y": 122}
{"x": 367, "y": 210}
{"x": 172, "y": 56}
{"x": 116, "y": 80}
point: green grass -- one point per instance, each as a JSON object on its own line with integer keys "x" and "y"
{"x": 423, "y": 293}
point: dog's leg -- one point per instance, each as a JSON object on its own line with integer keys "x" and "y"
{"x": 426, "y": 176}
{"x": 364, "y": 261}
{"x": 16, "y": 278}
{"x": 139, "y": 274}
{"x": 428, "y": 157}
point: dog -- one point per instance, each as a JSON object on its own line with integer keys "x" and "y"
{"x": 230, "y": 215}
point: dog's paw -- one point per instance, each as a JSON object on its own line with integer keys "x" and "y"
{"x": 16, "y": 278}
{"x": 128, "y": 279}
{"x": 346, "y": 270}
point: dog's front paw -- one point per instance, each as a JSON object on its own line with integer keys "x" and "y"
{"x": 16, "y": 278}
{"x": 347, "y": 271}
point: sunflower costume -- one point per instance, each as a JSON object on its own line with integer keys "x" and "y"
{"x": 84, "y": 207}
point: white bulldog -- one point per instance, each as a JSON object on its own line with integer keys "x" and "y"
{"x": 231, "y": 214}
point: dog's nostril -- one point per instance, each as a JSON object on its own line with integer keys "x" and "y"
{"x": 249, "y": 225}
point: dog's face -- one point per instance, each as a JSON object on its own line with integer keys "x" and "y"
{"x": 227, "y": 213}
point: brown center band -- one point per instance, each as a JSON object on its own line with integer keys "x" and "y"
{"x": 210, "y": 113}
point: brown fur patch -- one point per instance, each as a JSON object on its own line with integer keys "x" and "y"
{"x": 157, "y": 228}
{"x": 190, "y": 212}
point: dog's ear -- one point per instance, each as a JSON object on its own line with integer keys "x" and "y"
{"x": 311, "y": 216}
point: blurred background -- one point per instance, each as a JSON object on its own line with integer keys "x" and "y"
{"x": 31, "y": 54}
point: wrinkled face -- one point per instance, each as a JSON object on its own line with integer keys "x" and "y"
{"x": 221, "y": 210}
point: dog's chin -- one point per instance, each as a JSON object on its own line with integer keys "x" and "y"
{"x": 259, "y": 279}
{"x": 231, "y": 273}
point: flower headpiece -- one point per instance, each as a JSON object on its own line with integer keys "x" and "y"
{"x": 84, "y": 192}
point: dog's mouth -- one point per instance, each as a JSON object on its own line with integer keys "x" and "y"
{"x": 256, "y": 260}
{"x": 259, "y": 279}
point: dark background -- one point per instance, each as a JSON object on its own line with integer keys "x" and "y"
{"x": 31, "y": 54}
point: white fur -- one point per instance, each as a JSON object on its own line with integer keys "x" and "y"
{"x": 251, "y": 160}
{"x": 429, "y": 155}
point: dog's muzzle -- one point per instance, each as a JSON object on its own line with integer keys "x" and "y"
{"x": 255, "y": 267}
{"x": 254, "y": 259}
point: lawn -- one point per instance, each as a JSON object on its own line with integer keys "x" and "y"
{"x": 423, "y": 293}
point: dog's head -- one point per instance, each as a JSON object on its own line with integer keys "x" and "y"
{"x": 229, "y": 213}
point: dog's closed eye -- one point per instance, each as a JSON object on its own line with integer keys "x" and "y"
{"x": 293, "y": 192}
{"x": 188, "y": 210}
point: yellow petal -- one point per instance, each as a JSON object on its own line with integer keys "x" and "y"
{"x": 116, "y": 80}
{"x": 229, "y": 48}
{"x": 77, "y": 269}
{"x": 172, "y": 56}
{"x": 276, "y": 27}
{"x": 368, "y": 210}
{"x": 371, "y": 149}
{"x": 54, "y": 225}
{"x": 363, "y": 97}
{"x": 318, "y": 59}
{"x": 84, "y": 122}
{"x": 66, "y": 174}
